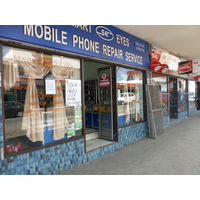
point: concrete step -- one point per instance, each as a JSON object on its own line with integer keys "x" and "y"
{"x": 91, "y": 136}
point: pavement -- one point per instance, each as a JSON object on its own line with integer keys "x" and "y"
{"x": 174, "y": 153}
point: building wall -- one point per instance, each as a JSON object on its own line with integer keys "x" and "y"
{"x": 181, "y": 116}
{"x": 59, "y": 158}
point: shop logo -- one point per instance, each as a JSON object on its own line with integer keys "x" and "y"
{"x": 104, "y": 76}
{"x": 104, "y": 33}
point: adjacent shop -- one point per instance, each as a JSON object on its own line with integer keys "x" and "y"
{"x": 69, "y": 94}
{"x": 178, "y": 86}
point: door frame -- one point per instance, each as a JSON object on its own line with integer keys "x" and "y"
{"x": 110, "y": 68}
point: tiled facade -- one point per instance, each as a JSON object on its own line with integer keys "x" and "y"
{"x": 181, "y": 116}
{"x": 59, "y": 158}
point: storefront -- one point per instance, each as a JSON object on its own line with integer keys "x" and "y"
{"x": 178, "y": 90}
{"x": 69, "y": 95}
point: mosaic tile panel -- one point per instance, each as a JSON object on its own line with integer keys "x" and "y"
{"x": 59, "y": 158}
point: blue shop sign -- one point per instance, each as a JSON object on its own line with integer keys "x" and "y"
{"x": 101, "y": 41}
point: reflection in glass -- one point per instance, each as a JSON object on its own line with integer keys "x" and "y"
{"x": 192, "y": 94}
{"x": 182, "y": 95}
{"x": 161, "y": 80}
{"x": 130, "y": 96}
{"x": 36, "y": 98}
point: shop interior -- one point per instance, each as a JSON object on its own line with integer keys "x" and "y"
{"x": 98, "y": 107}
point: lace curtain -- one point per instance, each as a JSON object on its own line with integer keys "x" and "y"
{"x": 35, "y": 66}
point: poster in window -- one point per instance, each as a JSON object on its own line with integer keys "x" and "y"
{"x": 50, "y": 86}
{"x": 73, "y": 92}
{"x": 71, "y": 130}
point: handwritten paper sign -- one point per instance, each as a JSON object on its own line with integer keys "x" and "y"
{"x": 73, "y": 92}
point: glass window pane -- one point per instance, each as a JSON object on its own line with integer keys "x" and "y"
{"x": 192, "y": 94}
{"x": 182, "y": 95}
{"x": 162, "y": 81}
{"x": 130, "y": 96}
{"x": 42, "y": 98}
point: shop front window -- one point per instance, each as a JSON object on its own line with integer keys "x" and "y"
{"x": 182, "y": 95}
{"x": 192, "y": 94}
{"x": 129, "y": 96}
{"x": 161, "y": 80}
{"x": 42, "y": 99}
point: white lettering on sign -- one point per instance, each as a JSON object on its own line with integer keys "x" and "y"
{"x": 46, "y": 32}
{"x": 140, "y": 46}
{"x": 122, "y": 40}
{"x": 133, "y": 58}
{"x": 84, "y": 43}
{"x": 86, "y": 28}
{"x": 112, "y": 52}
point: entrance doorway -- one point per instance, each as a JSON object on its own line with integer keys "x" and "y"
{"x": 198, "y": 95}
{"x": 98, "y": 84}
{"x": 173, "y": 98}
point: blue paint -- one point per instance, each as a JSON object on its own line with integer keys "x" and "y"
{"x": 106, "y": 42}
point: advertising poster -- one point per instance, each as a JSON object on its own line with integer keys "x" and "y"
{"x": 71, "y": 130}
{"x": 78, "y": 118}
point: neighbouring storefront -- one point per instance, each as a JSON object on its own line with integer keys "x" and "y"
{"x": 178, "y": 87}
{"x": 70, "y": 94}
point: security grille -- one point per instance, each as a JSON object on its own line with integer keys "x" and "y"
{"x": 155, "y": 111}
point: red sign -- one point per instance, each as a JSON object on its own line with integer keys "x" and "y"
{"x": 197, "y": 78}
{"x": 155, "y": 56}
{"x": 158, "y": 67}
{"x": 104, "y": 81}
{"x": 185, "y": 67}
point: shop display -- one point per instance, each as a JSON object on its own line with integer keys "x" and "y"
{"x": 92, "y": 116}
{"x": 161, "y": 80}
{"x": 130, "y": 96}
{"x": 42, "y": 98}
{"x": 91, "y": 88}
{"x": 182, "y": 95}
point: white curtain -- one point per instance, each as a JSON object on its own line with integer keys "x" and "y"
{"x": 31, "y": 121}
{"x": 60, "y": 120}
{"x": 35, "y": 67}
{"x": 137, "y": 104}
{"x": 10, "y": 74}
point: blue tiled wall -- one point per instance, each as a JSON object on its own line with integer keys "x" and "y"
{"x": 193, "y": 111}
{"x": 59, "y": 158}
{"x": 56, "y": 159}
{"x": 181, "y": 116}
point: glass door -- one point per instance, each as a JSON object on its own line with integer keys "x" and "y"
{"x": 173, "y": 98}
{"x": 198, "y": 95}
{"x": 105, "y": 103}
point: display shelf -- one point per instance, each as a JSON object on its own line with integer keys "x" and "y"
{"x": 91, "y": 88}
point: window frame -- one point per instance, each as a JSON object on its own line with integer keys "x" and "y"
{"x": 167, "y": 92}
{"x": 190, "y": 105}
{"x": 45, "y": 51}
{"x": 185, "y": 94}
{"x": 144, "y": 81}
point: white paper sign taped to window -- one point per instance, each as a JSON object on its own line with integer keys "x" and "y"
{"x": 50, "y": 86}
{"x": 73, "y": 92}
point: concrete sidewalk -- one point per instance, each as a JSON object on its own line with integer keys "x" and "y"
{"x": 175, "y": 153}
